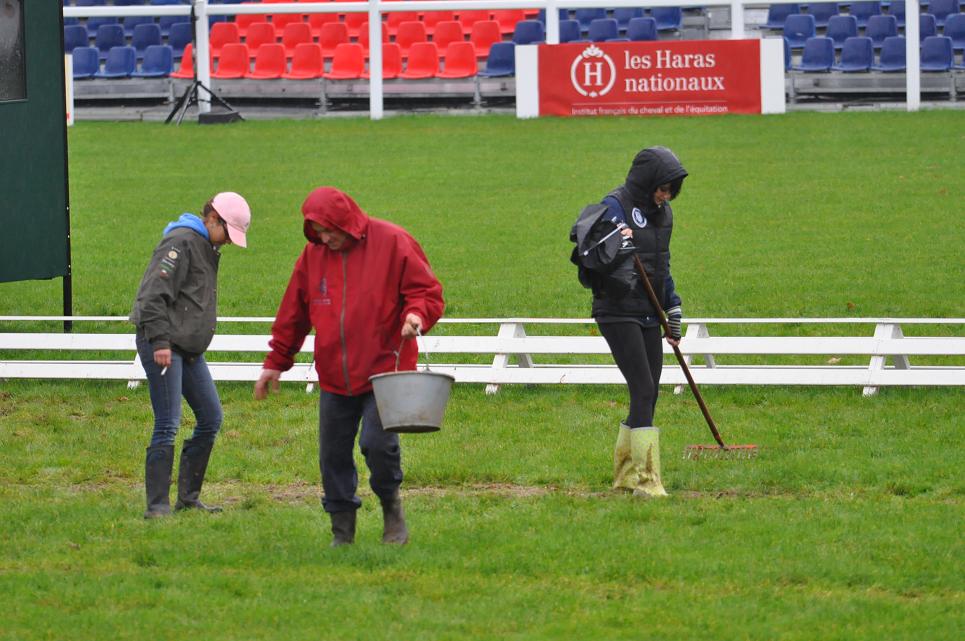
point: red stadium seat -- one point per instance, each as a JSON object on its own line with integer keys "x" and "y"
{"x": 316, "y": 20}
{"x": 282, "y": 20}
{"x": 269, "y": 62}
{"x": 423, "y": 62}
{"x": 391, "y": 61}
{"x": 460, "y": 61}
{"x": 446, "y": 32}
{"x": 468, "y": 18}
{"x": 332, "y": 35}
{"x": 409, "y": 33}
{"x": 395, "y": 20}
{"x": 234, "y": 61}
{"x": 186, "y": 70}
{"x": 245, "y": 20}
{"x": 507, "y": 19}
{"x": 260, "y": 33}
{"x": 348, "y": 63}
{"x": 432, "y": 18}
{"x": 307, "y": 63}
{"x": 295, "y": 33}
{"x": 364, "y": 36}
{"x": 484, "y": 33}
{"x": 221, "y": 34}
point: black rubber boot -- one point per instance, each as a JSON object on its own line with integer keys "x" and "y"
{"x": 158, "y": 461}
{"x": 194, "y": 462}
{"x": 343, "y": 528}
{"x": 394, "y": 530}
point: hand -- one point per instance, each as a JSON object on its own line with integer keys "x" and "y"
{"x": 674, "y": 342}
{"x": 626, "y": 233}
{"x": 412, "y": 326}
{"x": 262, "y": 387}
{"x": 162, "y": 357}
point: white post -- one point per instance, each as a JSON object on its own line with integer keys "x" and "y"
{"x": 736, "y": 19}
{"x": 375, "y": 61}
{"x": 912, "y": 56}
{"x": 509, "y": 330}
{"x": 201, "y": 55}
{"x": 552, "y": 23}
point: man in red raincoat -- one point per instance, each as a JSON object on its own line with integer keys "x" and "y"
{"x": 365, "y": 286}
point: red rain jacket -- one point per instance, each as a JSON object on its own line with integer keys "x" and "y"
{"x": 356, "y": 298}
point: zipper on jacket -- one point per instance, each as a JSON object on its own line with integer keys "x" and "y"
{"x": 341, "y": 325}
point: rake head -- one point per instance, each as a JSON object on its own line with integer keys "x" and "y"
{"x": 717, "y": 452}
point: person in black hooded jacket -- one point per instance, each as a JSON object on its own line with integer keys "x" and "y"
{"x": 628, "y": 320}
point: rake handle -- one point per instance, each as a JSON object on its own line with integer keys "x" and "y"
{"x": 662, "y": 316}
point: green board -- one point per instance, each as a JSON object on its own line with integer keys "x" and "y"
{"x": 34, "y": 218}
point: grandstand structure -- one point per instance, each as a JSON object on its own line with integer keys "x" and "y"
{"x": 273, "y": 50}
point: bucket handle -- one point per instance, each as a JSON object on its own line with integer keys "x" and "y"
{"x": 398, "y": 352}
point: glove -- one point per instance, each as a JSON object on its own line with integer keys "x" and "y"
{"x": 674, "y": 316}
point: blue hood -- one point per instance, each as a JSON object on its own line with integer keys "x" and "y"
{"x": 191, "y": 222}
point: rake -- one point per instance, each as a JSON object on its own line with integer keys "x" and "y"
{"x": 721, "y": 450}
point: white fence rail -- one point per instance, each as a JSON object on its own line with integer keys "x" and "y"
{"x": 375, "y": 9}
{"x": 880, "y": 357}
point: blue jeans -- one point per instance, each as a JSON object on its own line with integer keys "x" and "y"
{"x": 338, "y": 424}
{"x": 190, "y": 379}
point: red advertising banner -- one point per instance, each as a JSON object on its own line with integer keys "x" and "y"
{"x": 685, "y": 77}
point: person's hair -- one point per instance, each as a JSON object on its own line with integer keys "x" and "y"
{"x": 208, "y": 208}
{"x": 675, "y": 187}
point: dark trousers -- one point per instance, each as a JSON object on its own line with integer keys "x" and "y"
{"x": 190, "y": 379}
{"x": 338, "y": 423}
{"x": 638, "y": 352}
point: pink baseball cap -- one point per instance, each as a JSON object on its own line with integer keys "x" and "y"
{"x": 234, "y": 210}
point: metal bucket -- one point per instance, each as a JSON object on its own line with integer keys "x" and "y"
{"x": 411, "y": 402}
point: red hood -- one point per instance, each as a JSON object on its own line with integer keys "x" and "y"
{"x": 334, "y": 209}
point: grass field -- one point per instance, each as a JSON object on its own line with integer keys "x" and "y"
{"x": 849, "y": 525}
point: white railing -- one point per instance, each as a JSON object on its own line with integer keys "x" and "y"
{"x": 512, "y": 354}
{"x": 375, "y": 9}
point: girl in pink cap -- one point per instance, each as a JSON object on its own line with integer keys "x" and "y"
{"x": 175, "y": 312}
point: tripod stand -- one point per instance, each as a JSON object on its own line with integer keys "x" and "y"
{"x": 190, "y": 95}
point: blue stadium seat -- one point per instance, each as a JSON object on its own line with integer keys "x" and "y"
{"x": 892, "y": 57}
{"x": 178, "y": 38}
{"x": 108, "y": 36}
{"x": 787, "y": 54}
{"x": 121, "y": 62}
{"x": 131, "y": 22}
{"x": 570, "y": 31}
{"x": 75, "y": 35}
{"x": 603, "y": 29}
{"x": 881, "y": 27}
{"x": 586, "y": 16}
{"x": 127, "y": 3}
{"x": 158, "y": 62}
{"x": 668, "y": 18}
{"x": 642, "y": 29}
{"x": 528, "y": 32}
{"x": 86, "y": 61}
{"x": 501, "y": 61}
{"x": 145, "y": 35}
{"x": 926, "y": 26}
{"x": 897, "y": 9}
{"x": 818, "y": 55}
{"x": 955, "y": 29}
{"x": 90, "y": 3}
{"x": 936, "y": 54}
{"x": 941, "y": 9}
{"x": 798, "y": 28}
{"x": 822, "y": 12}
{"x": 864, "y": 9}
{"x": 778, "y": 13}
{"x": 856, "y": 55}
{"x": 94, "y": 23}
{"x": 166, "y": 22}
{"x": 623, "y": 16}
{"x": 840, "y": 28}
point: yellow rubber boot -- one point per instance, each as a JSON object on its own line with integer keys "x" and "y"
{"x": 623, "y": 478}
{"x": 645, "y": 459}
